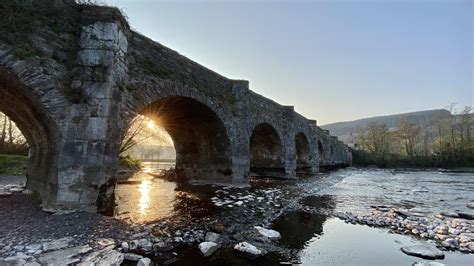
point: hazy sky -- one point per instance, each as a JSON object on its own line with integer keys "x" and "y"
{"x": 333, "y": 60}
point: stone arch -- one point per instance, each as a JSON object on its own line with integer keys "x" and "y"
{"x": 40, "y": 131}
{"x": 303, "y": 152}
{"x": 322, "y": 156}
{"x": 199, "y": 135}
{"x": 266, "y": 150}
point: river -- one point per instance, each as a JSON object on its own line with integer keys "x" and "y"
{"x": 308, "y": 237}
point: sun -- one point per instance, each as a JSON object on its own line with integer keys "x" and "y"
{"x": 150, "y": 124}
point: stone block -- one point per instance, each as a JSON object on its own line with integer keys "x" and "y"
{"x": 103, "y": 35}
{"x": 89, "y": 57}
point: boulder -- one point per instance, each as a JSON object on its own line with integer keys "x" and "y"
{"x": 423, "y": 251}
{"x": 144, "y": 262}
{"x": 269, "y": 233}
{"x": 248, "y": 249}
{"x": 207, "y": 248}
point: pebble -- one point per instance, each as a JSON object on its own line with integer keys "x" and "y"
{"x": 425, "y": 227}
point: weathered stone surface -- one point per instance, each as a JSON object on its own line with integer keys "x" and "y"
{"x": 207, "y": 248}
{"x": 423, "y": 251}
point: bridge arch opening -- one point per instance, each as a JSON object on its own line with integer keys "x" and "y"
{"x": 303, "y": 152}
{"x": 199, "y": 137}
{"x": 38, "y": 129}
{"x": 266, "y": 151}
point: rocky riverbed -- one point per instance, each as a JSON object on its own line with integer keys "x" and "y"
{"x": 268, "y": 223}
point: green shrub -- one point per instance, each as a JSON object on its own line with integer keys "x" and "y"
{"x": 13, "y": 164}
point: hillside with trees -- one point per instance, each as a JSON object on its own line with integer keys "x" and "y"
{"x": 438, "y": 138}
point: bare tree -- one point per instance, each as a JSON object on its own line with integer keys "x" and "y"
{"x": 11, "y": 139}
{"x": 139, "y": 132}
{"x": 409, "y": 133}
{"x": 375, "y": 138}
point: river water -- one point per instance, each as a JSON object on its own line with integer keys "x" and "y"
{"x": 307, "y": 238}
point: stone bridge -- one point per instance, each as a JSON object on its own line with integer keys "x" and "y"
{"x": 73, "y": 76}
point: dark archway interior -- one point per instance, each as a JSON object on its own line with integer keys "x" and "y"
{"x": 266, "y": 151}
{"x": 303, "y": 154}
{"x": 321, "y": 152}
{"x": 200, "y": 138}
{"x": 39, "y": 130}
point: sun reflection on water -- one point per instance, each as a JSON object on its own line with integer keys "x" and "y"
{"x": 144, "y": 197}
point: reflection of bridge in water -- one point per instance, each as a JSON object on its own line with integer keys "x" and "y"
{"x": 74, "y": 90}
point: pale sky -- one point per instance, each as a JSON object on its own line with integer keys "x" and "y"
{"x": 333, "y": 60}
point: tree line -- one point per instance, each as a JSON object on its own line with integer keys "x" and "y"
{"x": 447, "y": 141}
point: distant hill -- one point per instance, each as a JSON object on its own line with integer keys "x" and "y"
{"x": 343, "y": 130}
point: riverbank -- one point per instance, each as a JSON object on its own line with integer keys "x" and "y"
{"x": 238, "y": 220}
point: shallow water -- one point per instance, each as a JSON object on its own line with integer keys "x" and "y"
{"x": 311, "y": 238}
{"x": 426, "y": 191}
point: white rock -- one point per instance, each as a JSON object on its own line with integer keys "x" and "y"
{"x": 207, "y": 248}
{"x": 124, "y": 246}
{"x": 423, "y": 251}
{"x": 144, "y": 262}
{"x": 269, "y": 233}
{"x": 248, "y": 249}
{"x": 132, "y": 256}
